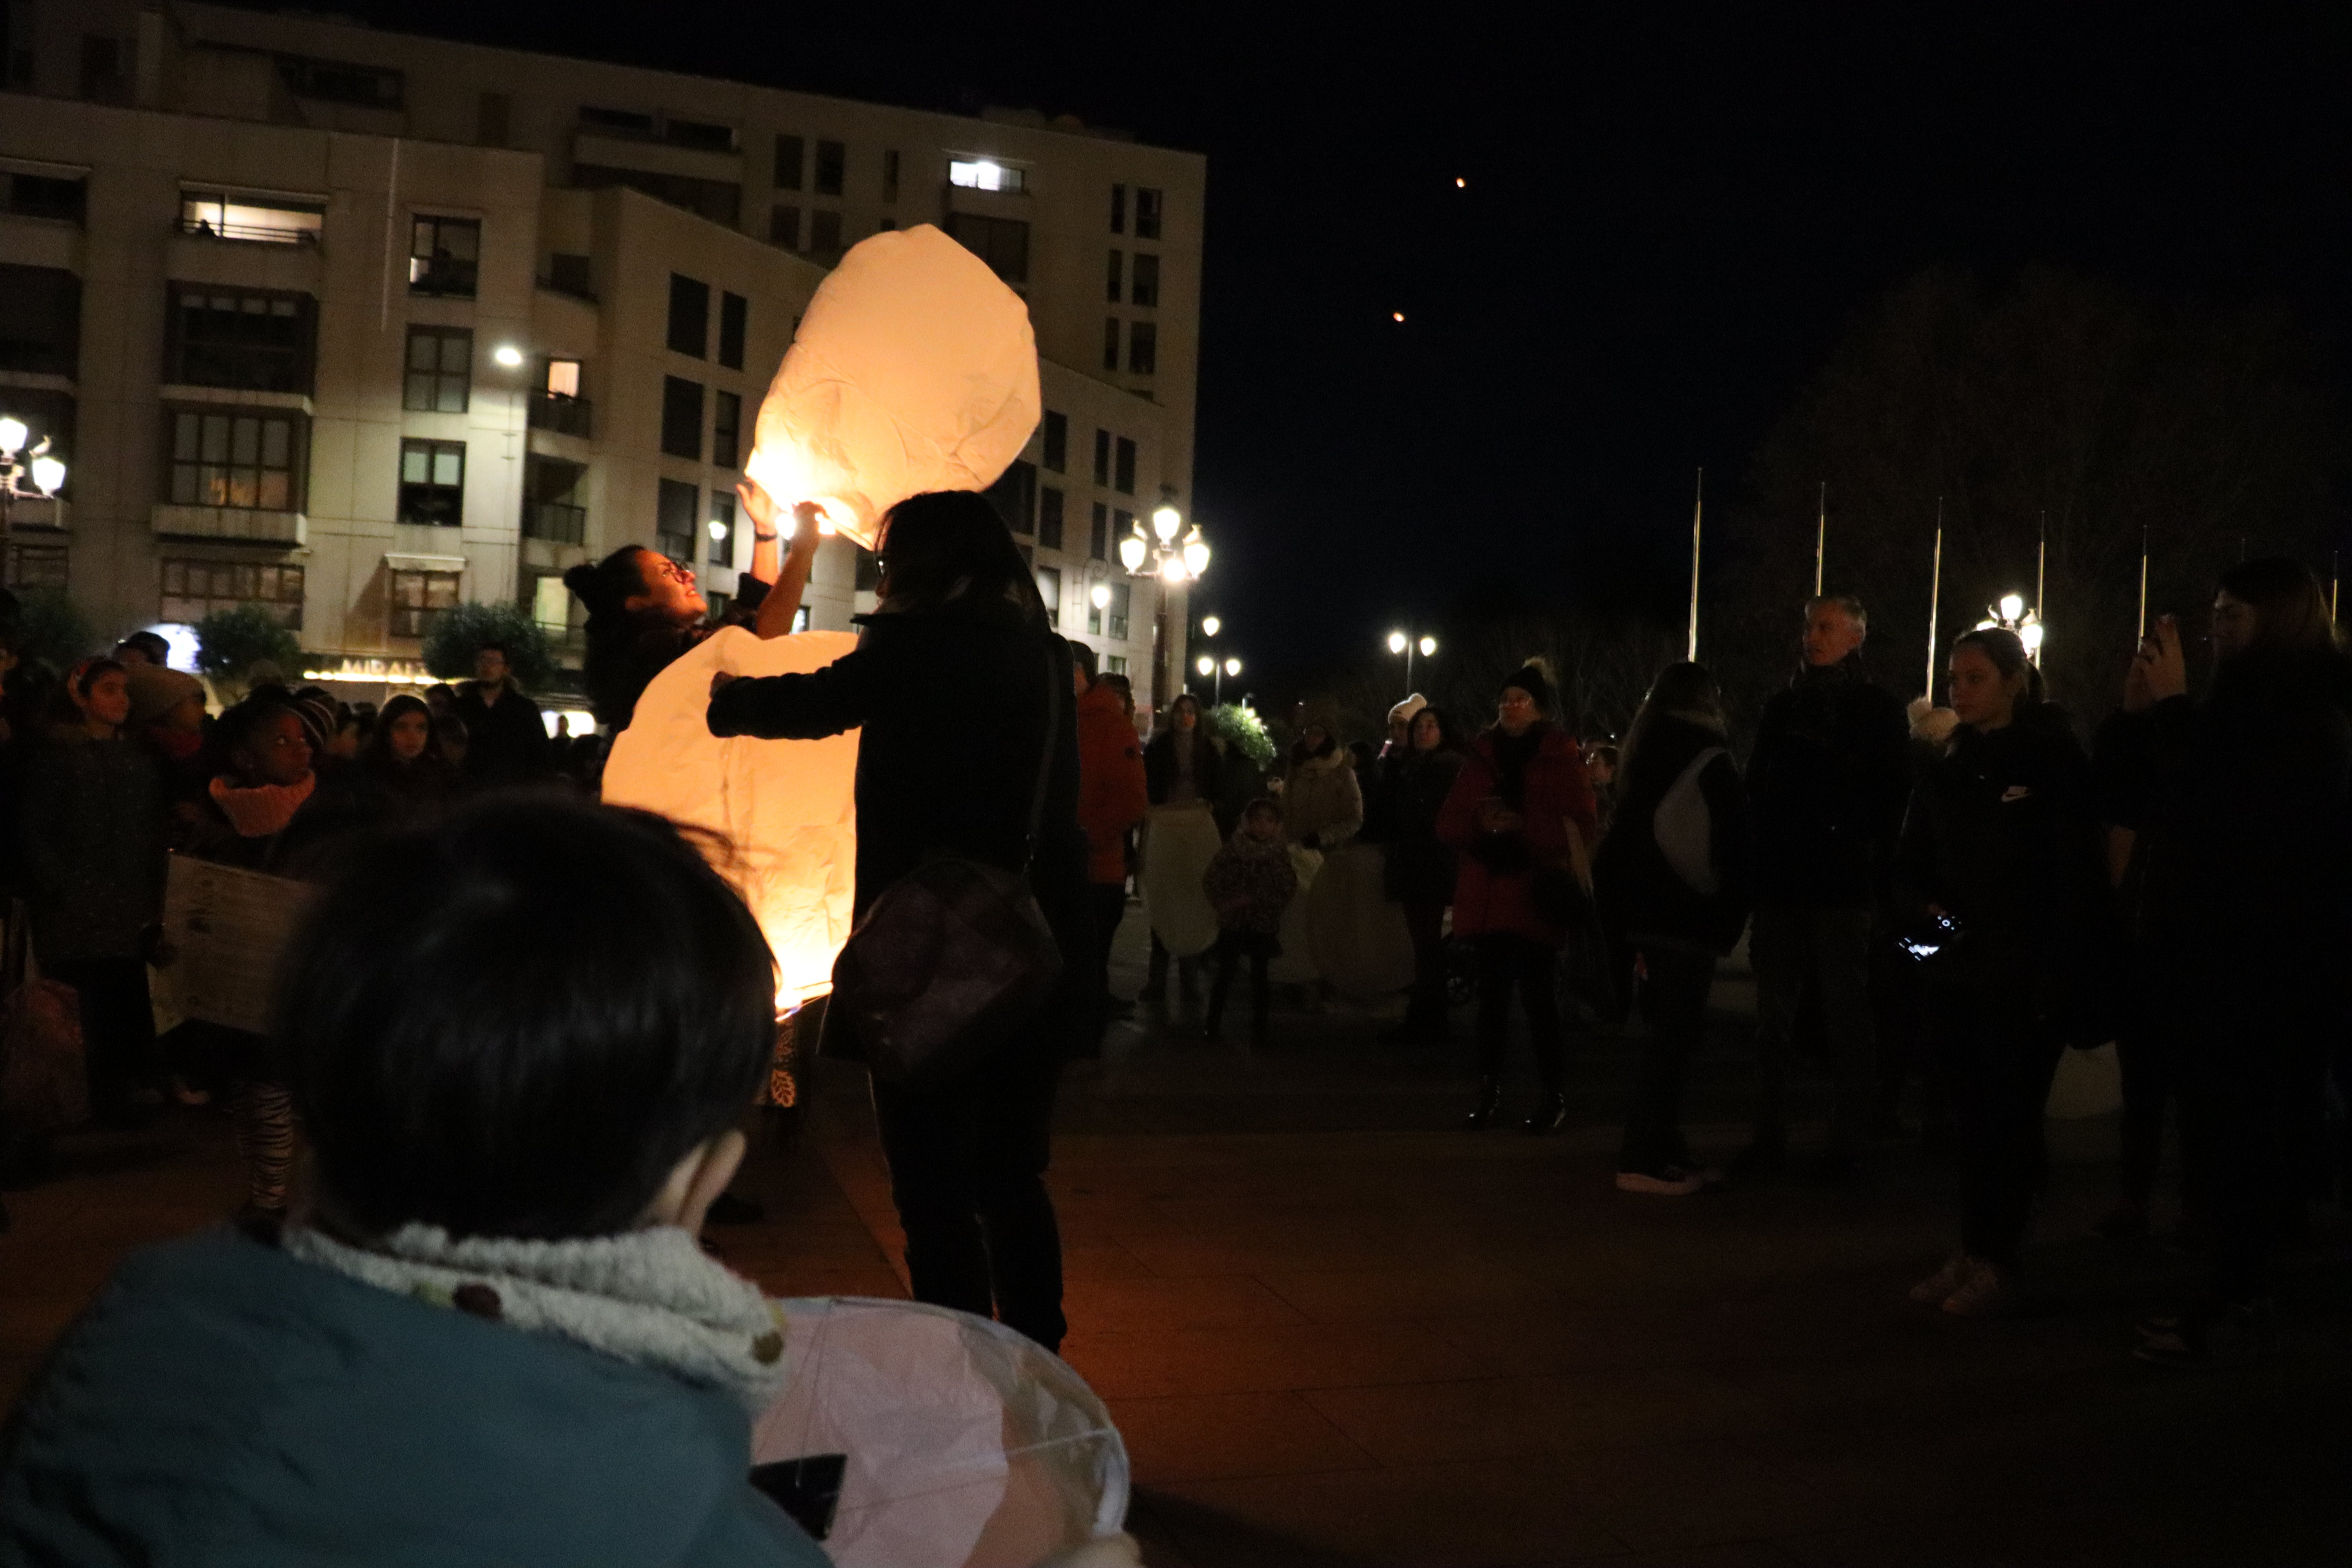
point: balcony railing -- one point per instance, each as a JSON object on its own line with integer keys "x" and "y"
{"x": 564, "y": 416}
{"x": 555, "y": 521}
{"x": 259, "y": 233}
{"x": 445, "y": 277}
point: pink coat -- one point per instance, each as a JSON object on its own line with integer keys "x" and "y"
{"x": 1488, "y": 901}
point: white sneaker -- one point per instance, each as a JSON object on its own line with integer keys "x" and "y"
{"x": 1934, "y": 1290}
{"x": 1665, "y": 1182}
{"x": 1984, "y": 1294}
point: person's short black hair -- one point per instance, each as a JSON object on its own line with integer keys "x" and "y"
{"x": 1264, "y": 804}
{"x": 516, "y": 1023}
{"x": 152, "y": 643}
{"x": 1083, "y": 655}
{"x": 493, "y": 644}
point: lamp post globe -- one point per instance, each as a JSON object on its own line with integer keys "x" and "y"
{"x": 13, "y": 432}
{"x": 1428, "y": 646}
{"x": 1210, "y": 625}
{"x": 1397, "y": 642}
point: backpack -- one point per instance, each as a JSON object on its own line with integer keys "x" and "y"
{"x": 1685, "y": 828}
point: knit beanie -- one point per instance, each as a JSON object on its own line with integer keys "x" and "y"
{"x": 1534, "y": 680}
{"x": 318, "y": 722}
{"x": 155, "y": 692}
{"x": 1405, "y": 711}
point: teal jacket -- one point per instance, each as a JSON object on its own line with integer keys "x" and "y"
{"x": 224, "y": 1403}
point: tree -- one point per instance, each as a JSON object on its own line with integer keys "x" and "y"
{"x": 230, "y": 642}
{"x": 459, "y": 634}
{"x": 51, "y": 628}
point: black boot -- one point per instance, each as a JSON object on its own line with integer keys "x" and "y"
{"x": 1488, "y": 1107}
{"x": 1550, "y": 1115}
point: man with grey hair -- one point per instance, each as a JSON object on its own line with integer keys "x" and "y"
{"x": 1827, "y": 781}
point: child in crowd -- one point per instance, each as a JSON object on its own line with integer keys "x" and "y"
{"x": 1250, "y": 883}
{"x": 521, "y": 1040}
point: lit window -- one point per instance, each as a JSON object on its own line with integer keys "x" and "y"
{"x": 444, "y": 255}
{"x": 213, "y": 215}
{"x": 564, "y": 377}
{"x": 985, "y": 175}
{"x": 1049, "y": 588}
{"x": 249, "y": 461}
{"x": 433, "y": 483}
{"x": 421, "y": 598}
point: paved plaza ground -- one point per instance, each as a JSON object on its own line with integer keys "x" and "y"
{"x": 1334, "y": 1330}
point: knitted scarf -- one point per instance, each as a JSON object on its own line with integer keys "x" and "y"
{"x": 651, "y": 1298}
{"x": 264, "y": 809}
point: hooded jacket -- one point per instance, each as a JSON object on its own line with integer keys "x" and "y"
{"x": 1496, "y": 893}
{"x": 1827, "y": 781}
{"x": 1257, "y": 871}
{"x": 1320, "y": 798}
{"x": 1409, "y": 789}
{"x": 1641, "y": 895}
{"x": 1111, "y": 797}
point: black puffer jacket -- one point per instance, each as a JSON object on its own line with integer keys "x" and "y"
{"x": 1826, "y": 780}
{"x": 1641, "y": 894}
{"x": 1403, "y": 796}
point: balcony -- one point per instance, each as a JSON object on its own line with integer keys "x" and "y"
{"x": 237, "y": 524}
{"x": 443, "y": 277}
{"x": 556, "y": 521}
{"x": 253, "y": 233}
{"x": 564, "y": 416}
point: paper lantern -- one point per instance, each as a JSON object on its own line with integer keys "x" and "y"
{"x": 914, "y": 369}
{"x": 780, "y": 814}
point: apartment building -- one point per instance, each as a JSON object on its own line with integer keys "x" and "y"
{"x": 360, "y": 326}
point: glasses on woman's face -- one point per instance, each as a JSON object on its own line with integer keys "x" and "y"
{"x": 677, "y": 572}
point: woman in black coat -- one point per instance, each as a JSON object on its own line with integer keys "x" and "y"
{"x": 1672, "y": 876}
{"x": 1408, "y": 789}
{"x": 956, "y": 687}
{"x": 2000, "y": 865}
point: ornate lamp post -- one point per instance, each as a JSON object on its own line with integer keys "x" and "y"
{"x": 1408, "y": 645}
{"x": 2011, "y": 614}
{"x": 25, "y": 475}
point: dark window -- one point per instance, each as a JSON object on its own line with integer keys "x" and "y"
{"x": 549, "y": 508}
{"x": 1057, "y": 441}
{"x": 1118, "y": 266}
{"x": 681, "y": 430}
{"x": 338, "y": 81}
{"x": 1110, "y": 343}
{"x": 1120, "y": 599}
{"x": 37, "y": 566}
{"x": 1123, "y": 480}
{"x": 700, "y": 134}
{"x": 720, "y": 200}
{"x": 39, "y": 195}
{"x": 790, "y": 152}
{"x": 1049, "y": 518}
{"x": 493, "y": 119}
{"x": 433, "y": 482}
{"x": 721, "y": 530}
{"x": 440, "y": 370}
{"x": 1049, "y": 588}
{"x": 890, "y": 176}
{"x": 104, "y": 78}
{"x": 570, "y": 274}
{"x": 831, "y": 159}
{"x": 1146, "y": 291}
{"x": 194, "y": 589}
{"x": 1118, "y": 209}
{"x": 444, "y": 256}
{"x": 623, "y": 120}
{"x": 1015, "y": 495}
{"x": 734, "y": 310}
{"x": 689, "y": 316}
{"x": 250, "y": 341}
{"x": 40, "y": 327}
{"x": 825, "y": 231}
{"x": 673, "y": 520}
{"x": 1147, "y": 213}
{"x": 421, "y": 598}
{"x": 726, "y": 428}
{"x": 784, "y": 227}
{"x": 1099, "y": 533}
{"x": 885, "y": 225}
{"x": 1002, "y": 242}
{"x": 241, "y": 460}
{"x": 1143, "y": 347}
{"x": 1123, "y": 523}
{"x": 1102, "y": 457}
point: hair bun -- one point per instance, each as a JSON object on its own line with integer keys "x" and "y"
{"x": 580, "y": 579}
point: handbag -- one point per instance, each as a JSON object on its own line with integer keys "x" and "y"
{"x": 953, "y": 958}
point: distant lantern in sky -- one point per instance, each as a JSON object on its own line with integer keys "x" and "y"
{"x": 1460, "y": 184}
{"x": 1396, "y": 315}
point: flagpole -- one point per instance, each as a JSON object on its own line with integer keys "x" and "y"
{"x": 1699, "y": 505}
{"x": 2042, "y": 571}
{"x": 1935, "y": 597}
{"x": 1820, "y": 538}
{"x": 2143, "y": 583}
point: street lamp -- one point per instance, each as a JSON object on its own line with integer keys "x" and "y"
{"x": 1209, "y": 667}
{"x": 25, "y": 475}
{"x": 1209, "y": 625}
{"x": 508, "y": 356}
{"x": 2010, "y": 614}
{"x": 1100, "y": 596}
{"x": 1405, "y": 644}
{"x": 1162, "y": 553}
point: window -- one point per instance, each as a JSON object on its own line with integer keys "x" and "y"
{"x": 1057, "y": 441}
{"x": 734, "y": 314}
{"x": 830, "y": 158}
{"x": 1118, "y": 209}
{"x": 1098, "y": 533}
{"x": 1123, "y": 480}
{"x": 720, "y": 200}
{"x": 40, "y": 330}
{"x": 1002, "y": 242}
{"x": 1143, "y": 347}
{"x": 549, "y": 508}
{"x": 37, "y": 566}
{"x": 1102, "y": 457}
{"x": 444, "y": 256}
{"x": 1121, "y": 599}
{"x": 40, "y": 195}
{"x": 987, "y": 174}
{"x": 194, "y": 589}
{"x": 825, "y": 231}
{"x": 1117, "y": 262}
{"x": 570, "y": 274}
{"x": 726, "y": 428}
{"x": 681, "y": 427}
{"x": 104, "y": 78}
{"x": 1147, "y": 213}
{"x": 721, "y": 530}
{"x": 1049, "y": 518}
{"x": 564, "y": 378}
{"x": 247, "y": 341}
{"x": 212, "y": 216}
{"x": 1110, "y": 343}
{"x": 699, "y": 134}
{"x": 433, "y": 483}
{"x": 801, "y": 619}
{"x": 492, "y": 118}
{"x": 784, "y": 227}
{"x": 419, "y": 599}
{"x": 1123, "y": 523}
{"x": 1114, "y": 664}
{"x": 689, "y": 316}
{"x": 338, "y": 81}
{"x": 1015, "y": 495}
{"x": 790, "y": 154}
{"x": 1146, "y": 291}
{"x": 673, "y": 520}
{"x": 627, "y": 120}
{"x": 890, "y": 176}
{"x": 440, "y": 370}
{"x": 252, "y": 460}
{"x": 1049, "y": 588}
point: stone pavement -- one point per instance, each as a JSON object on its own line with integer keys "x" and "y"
{"x": 1334, "y": 1330}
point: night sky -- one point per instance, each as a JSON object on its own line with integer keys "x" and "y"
{"x": 1670, "y": 216}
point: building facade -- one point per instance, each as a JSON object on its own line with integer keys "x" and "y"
{"x": 360, "y": 326}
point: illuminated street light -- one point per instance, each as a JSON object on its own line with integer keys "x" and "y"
{"x": 1165, "y": 521}
{"x": 718, "y": 529}
{"x": 1132, "y": 550}
{"x": 1232, "y": 667}
{"x": 1100, "y": 595}
{"x": 509, "y": 356}
{"x": 1209, "y": 625}
{"x": 1204, "y": 664}
{"x": 1396, "y": 642}
{"x": 1428, "y": 646}
{"x": 2010, "y": 614}
{"x": 26, "y": 475}
{"x": 1405, "y": 645}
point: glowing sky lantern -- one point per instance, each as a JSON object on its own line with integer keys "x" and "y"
{"x": 914, "y": 369}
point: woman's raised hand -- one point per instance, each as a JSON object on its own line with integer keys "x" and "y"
{"x": 2158, "y": 670}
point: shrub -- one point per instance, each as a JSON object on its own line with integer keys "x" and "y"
{"x": 1242, "y": 730}
{"x": 458, "y": 634}
{"x": 52, "y": 629}
{"x": 230, "y": 642}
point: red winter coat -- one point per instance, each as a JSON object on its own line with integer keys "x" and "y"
{"x": 1110, "y": 782}
{"x": 1491, "y": 902}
